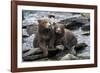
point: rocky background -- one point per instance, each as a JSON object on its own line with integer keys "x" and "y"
{"x": 78, "y": 23}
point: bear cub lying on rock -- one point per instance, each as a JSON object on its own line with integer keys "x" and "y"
{"x": 65, "y": 37}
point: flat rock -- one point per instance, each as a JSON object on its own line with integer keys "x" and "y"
{"x": 69, "y": 57}
{"x": 74, "y": 25}
{"x": 86, "y": 33}
{"x": 84, "y": 55}
{"x": 28, "y": 42}
{"x": 60, "y": 47}
{"x": 78, "y": 18}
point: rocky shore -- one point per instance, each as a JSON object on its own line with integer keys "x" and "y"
{"x": 78, "y": 23}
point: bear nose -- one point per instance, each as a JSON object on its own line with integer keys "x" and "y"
{"x": 47, "y": 30}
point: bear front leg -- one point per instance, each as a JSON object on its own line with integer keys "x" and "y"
{"x": 51, "y": 44}
{"x": 43, "y": 47}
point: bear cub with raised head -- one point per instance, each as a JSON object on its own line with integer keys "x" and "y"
{"x": 44, "y": 37}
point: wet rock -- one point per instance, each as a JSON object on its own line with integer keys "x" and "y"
{"x": 25, "y": 34}
{"x": 78, "y": 18}
{"x": 69, "y": 19}
{"x": 82, "y": 19}
{"x": 86, "y": 33}
{"x": 24, "y": 27}
{"x": 36, "y": 54}
{"x": 31, "y": 51}
{"x": 84, "y": 55}
{"x": 60, "y": 47}
{"x": 69, "y": 57}
{"x": 32, "y": 58}
{"x": 80, "y": 46}
{"x": 74, "y": 13}
{"x": 74, "y": 25}
{"x": 23, "y": 39}
{"x": 29, "y": 21}
{"x": 32, "y": 29}
{"x": 86, "y": 28}
{"x": 28, "y": 43}
{"x": 26, "y": 46}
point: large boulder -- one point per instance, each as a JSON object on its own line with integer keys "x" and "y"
{"x": 74, "y": 25}
{"x": 86, "y": 27}
{"x": 78, "y": 18}
{"x": 80, "y": 46}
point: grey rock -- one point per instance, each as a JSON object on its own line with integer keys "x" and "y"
{"x": 29, "y": 21}
{"x": 74, "y": 25}
{"x": 69, "y": 57}
{"x": 78, "y": 18}
{"x": 32, "y": 29}
{"x": 60, "y": 47}
{"x": 80, "y": 46}
{"x": 86, "y": 33}
{"x": 24, "y": 33}
{"x": 86, "y": 28}
{"x": 84, "y": 55}
{"x": 28, "y": 44}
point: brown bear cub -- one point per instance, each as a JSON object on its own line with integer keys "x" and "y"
{"x": 65, "y": 37}
{"x": 44, "y": 37}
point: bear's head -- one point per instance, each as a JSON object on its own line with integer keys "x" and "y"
{"x": 59, "y": 30}
{"x": 44, "y": 26}
{"x": 44, "y": 23}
